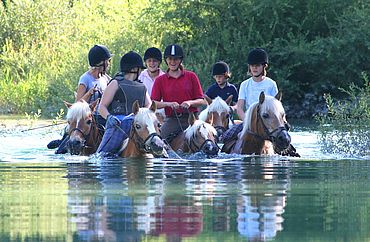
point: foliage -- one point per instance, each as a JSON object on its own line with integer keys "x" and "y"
{"x": 345, "y": 128}
{"x": 314, "y": 46}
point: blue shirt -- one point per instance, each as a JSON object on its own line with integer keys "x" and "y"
{"x": 215, "y": 91}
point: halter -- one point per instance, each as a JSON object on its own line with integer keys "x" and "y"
{"x": 268, "y": 135}
{"x": 142, "y": 144}
{"x": 86, "y": 136}
{"x": 199, "y": 148}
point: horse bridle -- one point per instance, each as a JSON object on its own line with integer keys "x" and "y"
{"x": 199, "y": 148}
{"x": 269, "y": 135}
{"x": 85, "y": 136}
{"x": 142, "y": 144}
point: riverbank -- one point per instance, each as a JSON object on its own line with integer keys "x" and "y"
{"x": 11, "y": 122}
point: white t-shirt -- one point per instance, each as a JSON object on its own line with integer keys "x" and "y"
{"x": 250, "y": 90}
{"x": 89, "y": 82}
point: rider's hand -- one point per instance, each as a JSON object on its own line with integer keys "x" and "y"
{"x": 185, "y": 104}
{"x": 173, "y": 105}
{"x": 112, "y": 121}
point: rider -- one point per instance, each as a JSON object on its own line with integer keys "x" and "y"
{"x": 222, "y": 87}
{"x": 117, "y": 100}
{"x": 251, "y": 88}
{"x": 178, "y": 91}
{"x": 153, "y": 60}
{"x": 90, "y": 86}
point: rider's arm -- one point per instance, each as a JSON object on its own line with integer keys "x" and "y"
{"x": 107, "y": 98}
{"x": 240, "y": 108}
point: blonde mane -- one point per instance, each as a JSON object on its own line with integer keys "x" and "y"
{"x": 147, "y": 117}
{"x": 270, "y": 104}
{"x": 203, "y": 127}
{"x": 79, "y": 110}
{"x": 218, "y": 105}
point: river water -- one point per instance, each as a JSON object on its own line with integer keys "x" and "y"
{"x": 48, "y": 197}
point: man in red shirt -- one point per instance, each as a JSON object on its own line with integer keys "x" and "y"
{"x": 178, "y": 91}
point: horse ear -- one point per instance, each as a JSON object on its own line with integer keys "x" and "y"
{"x": 279, "y": 95}
{"x": 262, "y": 97}
{"x": 209, "y": 100}
{"x": 229, "y": 99}
{"x": 135, "y": 107}
{"x": 94, "y": 104}
{"x": 68, "y": 105}
{"x": 191, "y": 119}
{"x": 153, "y": 106}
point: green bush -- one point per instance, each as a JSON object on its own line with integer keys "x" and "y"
{"x": 315, "y": 46}
{"x": 345, "y": 128}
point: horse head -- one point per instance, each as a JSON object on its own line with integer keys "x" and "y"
{"x": 200, "y": 136}
{"x": 81, "y": 127}
{"x": 218, "y": 113}
{"x": 266, "y": 121}
{"x": 145, "y": 131}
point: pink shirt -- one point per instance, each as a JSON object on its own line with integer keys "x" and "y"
{"x": 147, "y": 80}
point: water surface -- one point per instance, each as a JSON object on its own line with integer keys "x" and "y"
{"x": 48, "y": 197}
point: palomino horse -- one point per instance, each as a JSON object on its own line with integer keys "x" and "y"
{"x": 84, "y": 135}
{"x": 144, "y": 138}
{"x": 265, "y": 129}
{"x": 218, "y": 114}
{"x": 199, "y": 136}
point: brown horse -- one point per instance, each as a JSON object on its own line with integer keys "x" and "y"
{"x": 198, "y": 137}
{"x": 265, "y": 129}
{"x": 218, "y": 114}
{"x": 84, "y": 135}
{"x": 144, "y": 139}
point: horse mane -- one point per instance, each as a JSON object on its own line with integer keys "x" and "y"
{"x": 204, "y": 128}
{"x": 144, "y": 115}
{"x": 270, "y": 103}
{"x": 218, "y": 105}
{"x": 79, "y": 110}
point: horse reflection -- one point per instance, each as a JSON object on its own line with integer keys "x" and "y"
{"x": 84, "y": 135}
{"x": 198, "y": 137}
{"x": 218, "y": 114}
{"x": 265, "y": 129}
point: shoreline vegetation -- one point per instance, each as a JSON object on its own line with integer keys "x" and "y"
{"x": 315, "y": 47}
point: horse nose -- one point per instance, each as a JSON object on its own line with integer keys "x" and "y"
{"x": 283, "y": 140}
{"x": 157, "y": 145}
{"x": 75, "y": 146}
{"x": 210, "y": 148}
{"x": 220, "y": 132}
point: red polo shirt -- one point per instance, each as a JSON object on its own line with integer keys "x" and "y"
{"x": 169, "y": 89}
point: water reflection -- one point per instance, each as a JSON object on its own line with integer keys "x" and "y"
{"x": 132, "y": 199}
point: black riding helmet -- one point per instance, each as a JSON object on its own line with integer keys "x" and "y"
{"x": 257, "y": 56}
{"x": 97, "y": 54}
{"x": 174, "y": 51}
{"x": 220, "y": 68}
{"x": 154, "y": 53}
{"x": 131, "y": 60}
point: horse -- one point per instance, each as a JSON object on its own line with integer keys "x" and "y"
{"x": 218, "y": 113}
{"x": 265, "y": 129}
{"x": 144, "y": 139}
{"x": 84, "y": 135}
{"x": 198, "y": 137}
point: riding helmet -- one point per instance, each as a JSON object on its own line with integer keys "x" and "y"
{"x": 174, "y": 51}
{"x": 257, "y": 56}
{"x": 131, "y": 60}
{"x": 154, "y": 53}
{"x": 97, "y": 54}
{"x": 220, "y": 68}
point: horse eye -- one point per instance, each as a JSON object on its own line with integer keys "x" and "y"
{"x": 137, "y": 126}
{"x": 227, "y": 116}
{"x": 88, "y": 122}
{"x": 265, "y": 115}
{"x": 159, "y": 125}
